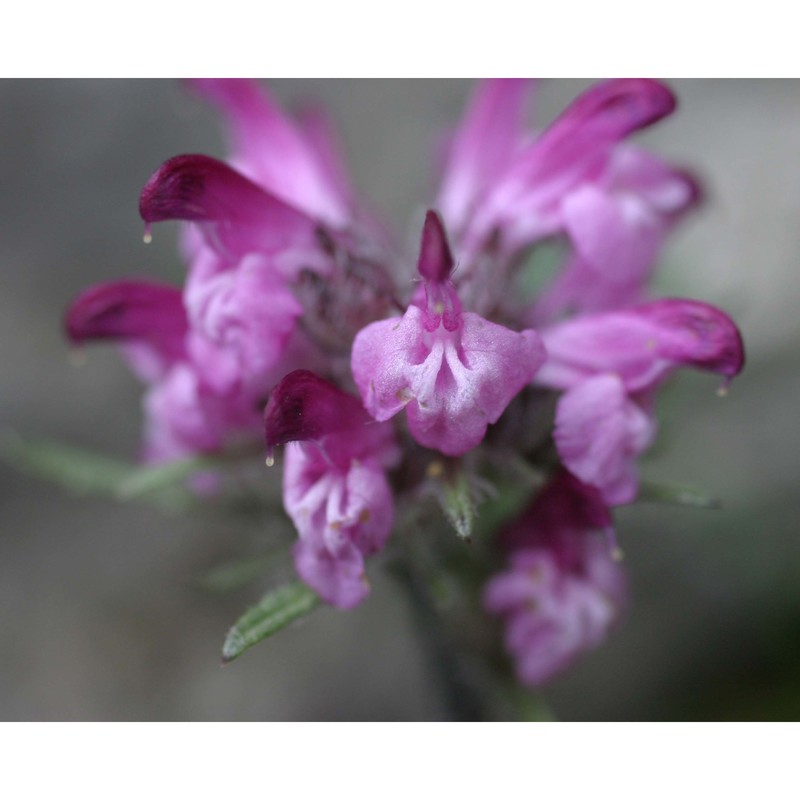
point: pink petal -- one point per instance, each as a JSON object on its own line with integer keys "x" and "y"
{"x": 184, "y": 419}
{"x": 599, "y": 433}
{"x": 148, "y": 317}
{"x": 665, "y": 189}
{"x": 305, "y": 407}
{"x": 129, "y": 309}
{"x": 383, "y": 356}
{"x": 452, "y": 391}
{"x": 696, "y": 334}
{"x": 203, "y": 189}
{"x": 483, "y": 145}
{"x": 643, "y": 344}
{"x": 343, "y": 513}
{"x": 318, "y": 129}
{"x": 522, "y": 584}
{"x": 617, "y": 226}
{"x": 618, "y": 236}
{"x": 623, "y": 343}
{"x": 275, "y": 152}
{"x": 603, "y": 115}
{"x": 524, "y": 203}
{"x": 249, "y": 311}
{"x": 499, "y": 360}
{"x": 338, "y": 577}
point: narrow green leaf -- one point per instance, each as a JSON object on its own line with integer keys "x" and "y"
{"x": 676, "y": 494}
{"x": 274, "y": 612}
{"x": 80, "y": 471}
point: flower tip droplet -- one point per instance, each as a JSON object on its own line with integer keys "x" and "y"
{"x": 270, "y": 459}
{"x": 722, "y": 391}
{"x": 148, "y": 235}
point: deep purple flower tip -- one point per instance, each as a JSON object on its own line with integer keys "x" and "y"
{"x": 305, "y": 407}
{"x": 711, "y": 340}
{"x": 127, "y": 310}
{"x": 198, "y": 187}
{"x": 435, "y": 259}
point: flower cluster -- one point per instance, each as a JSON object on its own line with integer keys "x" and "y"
{"x": 300, "y": 320}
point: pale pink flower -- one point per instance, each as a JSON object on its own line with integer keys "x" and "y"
{"x": 334, "y": 482}
{"x": 453, "y": 371}
{"x": 609, "y": 364}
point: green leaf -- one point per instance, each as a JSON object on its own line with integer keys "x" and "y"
{"x": 144, "y": 480}
{"x": 80, "y": 471}
{"x": 678, "y": 495}
{"x": 84, "y": 472}
{"x": 274, "y": 612}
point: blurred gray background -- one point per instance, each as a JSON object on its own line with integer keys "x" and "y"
{"x": 99, "y": 619}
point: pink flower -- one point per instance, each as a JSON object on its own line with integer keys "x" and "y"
{"x": 184, "y": 417}
{"x": 244, "y": 293}
{"x": 505, "y": 189}
{"x": 259, "y": 230}
{"x": 453, "y": 371}
{"x": 600, "y": 432}
{"x": 299, "y": 163}
{"x": 498, "y": 182}
{"x": 237, "y": 216}
{"x": 184, "y": 413}
{"x": 609, "y": 364}
{"x": 334, "y": 482}
{"x": 617, "y": 226}
{"x": 252, "y": 246}
{"x": 562, "y": 593}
